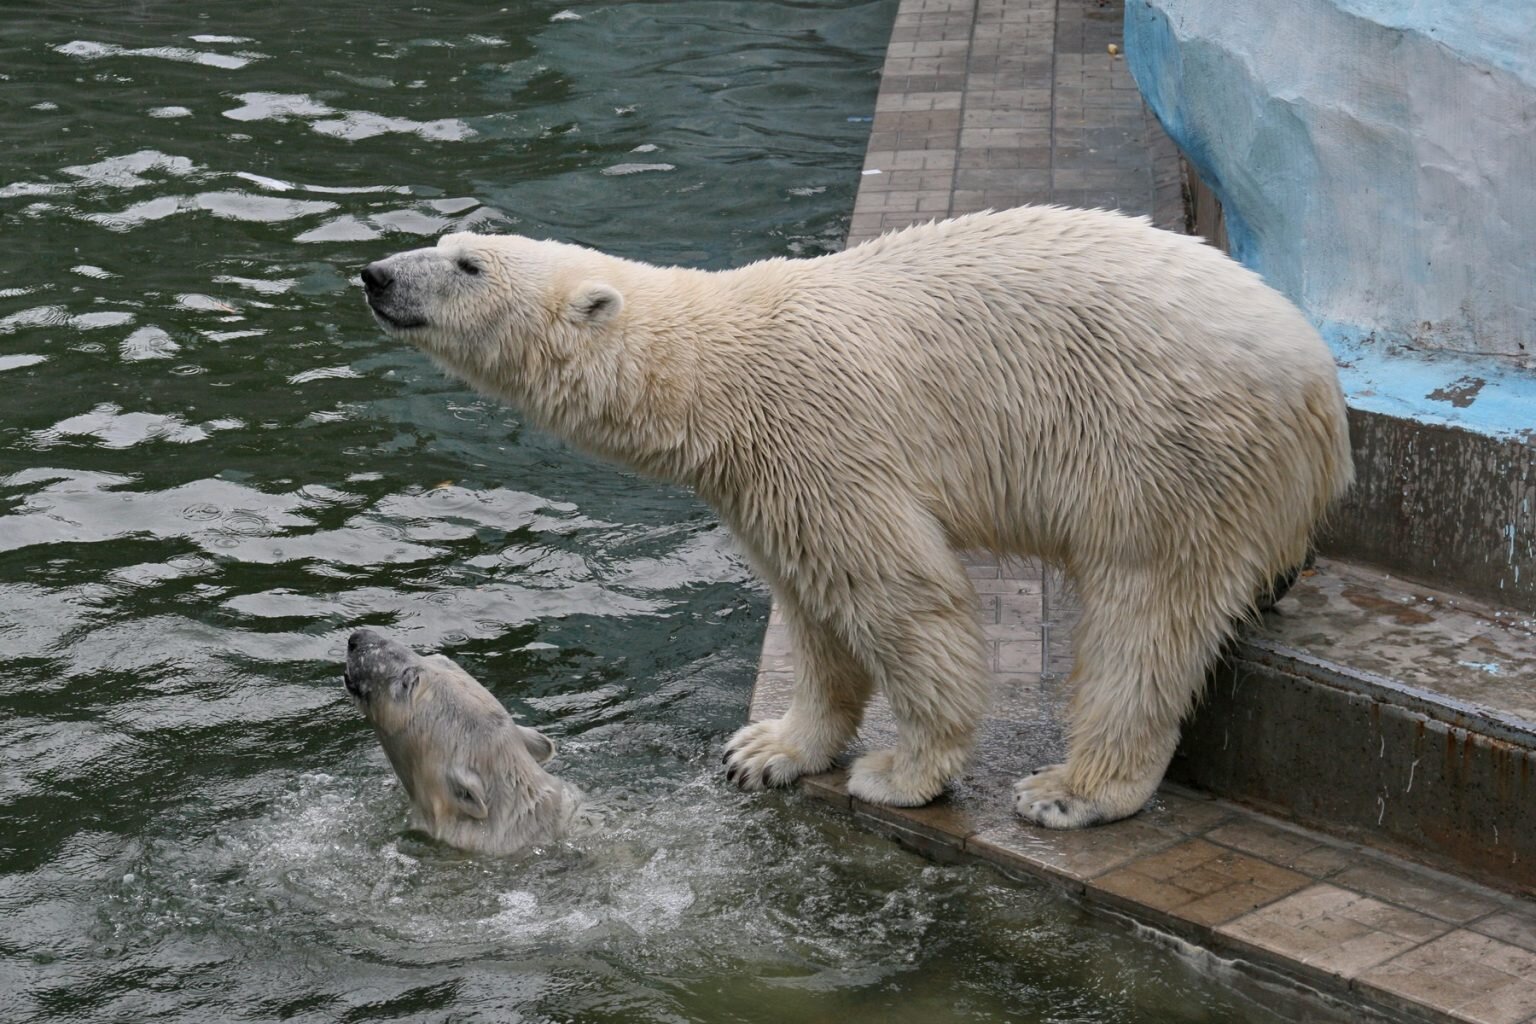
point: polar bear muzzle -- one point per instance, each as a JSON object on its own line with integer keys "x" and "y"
{"x": 393, "y": 290}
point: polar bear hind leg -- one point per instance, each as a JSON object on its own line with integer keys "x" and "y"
{"x": 1142, "y": 649}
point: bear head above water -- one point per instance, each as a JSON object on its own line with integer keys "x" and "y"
{"x": 475, "y": 777}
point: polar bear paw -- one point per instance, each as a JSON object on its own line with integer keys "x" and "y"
{"x": 879, "y": 778}
{"x": 1044, "y": 799}
{"x": 761, "y": 755}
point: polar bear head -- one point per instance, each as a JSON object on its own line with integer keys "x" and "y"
{"x": 474, "y": 776}
{"x": 603, "y": 351}
{"x": 499, "y": 310}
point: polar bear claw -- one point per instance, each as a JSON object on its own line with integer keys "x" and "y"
{"x": 761, "y": 756}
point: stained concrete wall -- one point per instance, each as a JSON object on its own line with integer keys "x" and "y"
{"x": 1376, "y": 158}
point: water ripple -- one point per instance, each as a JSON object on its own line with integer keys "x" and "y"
{"x": 353, "y": 125}
{"x": 132, "y": 170}
{"x": 87, "y": 51}
{"x": 114, "y": 428}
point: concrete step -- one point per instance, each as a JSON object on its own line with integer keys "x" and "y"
{"x": 1385, "y": 712}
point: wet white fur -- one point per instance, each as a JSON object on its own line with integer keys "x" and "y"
{"x": 474, "y": 776}
{"x": 1125, "y": 402}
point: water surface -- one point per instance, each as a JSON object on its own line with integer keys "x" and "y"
{"x": 213, "y": 467}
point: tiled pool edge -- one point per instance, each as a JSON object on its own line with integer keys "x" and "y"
{"x": 996, "y": 103}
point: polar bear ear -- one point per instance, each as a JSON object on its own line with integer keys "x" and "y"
{"x": 540, "y": 746}
{"x": 467, "y": 790}
{"x": 594, "y": 303}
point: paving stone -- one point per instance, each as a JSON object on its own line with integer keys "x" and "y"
{"x": 1469, "y": 976}
{"x": 1305, "y": 852}
{"x": 830, "y": 787}
{"x": 1339, "y": 932}
{"x": 1020, "y": 697}
{"x": 1515, "y": 925}
{"x": 1185, "y": 812}
{"x": 1424, "y": 891}
{"x": 1200, "y": 882}
{"x": 770, "y": 697}
{"x": 1017, "y": 847}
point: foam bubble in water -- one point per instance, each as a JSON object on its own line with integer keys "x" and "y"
{"x": 83, "y": 49}
{"x": 618, "y": 170}
{"x": 148, "y": 342}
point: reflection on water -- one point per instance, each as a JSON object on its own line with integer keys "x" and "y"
{"x": 213, "y": 467}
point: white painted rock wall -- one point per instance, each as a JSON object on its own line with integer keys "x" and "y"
{"x": 1376, "y": 159}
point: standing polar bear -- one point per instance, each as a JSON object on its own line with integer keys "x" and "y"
{"x": 1127, "y": 403}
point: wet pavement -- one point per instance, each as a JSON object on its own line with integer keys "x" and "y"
{"x": 1458, "y": 648}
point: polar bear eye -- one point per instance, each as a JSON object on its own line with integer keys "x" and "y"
{"x": 469, "y": 266}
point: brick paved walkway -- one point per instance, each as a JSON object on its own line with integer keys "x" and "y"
{"x": 997, "y": 103}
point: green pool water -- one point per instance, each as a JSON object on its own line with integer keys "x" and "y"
{"x": 213, "y": 467}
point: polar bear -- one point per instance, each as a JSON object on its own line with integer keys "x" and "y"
{"x": 1124, "y": 402}
{"x": 474, "y": 776}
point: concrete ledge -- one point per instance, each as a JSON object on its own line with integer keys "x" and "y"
{"x": 1442, "y": 503}
{"x": 1326, "y": 715}
{"x": 1343, "y": 924}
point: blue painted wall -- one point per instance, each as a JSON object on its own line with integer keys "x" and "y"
{"x": 1376, "y": 161}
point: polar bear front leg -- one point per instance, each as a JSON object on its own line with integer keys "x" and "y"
{"x": 831, "y": 689}
{"x": 920, "y": 637}
{"x": 1142, "y": 649}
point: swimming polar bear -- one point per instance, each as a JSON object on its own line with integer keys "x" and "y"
{"x": 474, "y": 776}
{"x": 1075, "y": 385}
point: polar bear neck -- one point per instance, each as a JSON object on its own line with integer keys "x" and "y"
{"x": 642, "y": 391}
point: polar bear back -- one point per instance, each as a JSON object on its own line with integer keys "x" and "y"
{"x": 1037, "y": 373}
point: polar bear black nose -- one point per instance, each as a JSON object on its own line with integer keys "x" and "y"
{"x": 377, "y": 278}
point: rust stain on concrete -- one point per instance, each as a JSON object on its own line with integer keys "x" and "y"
{"x": 1460, "y": 392}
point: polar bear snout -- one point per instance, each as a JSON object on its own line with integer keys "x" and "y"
{"x": 377, "y": 280}
{"x": 363, "y": 639}
{"x": 392, "y": 295}
{"x": 377, "y": 666}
